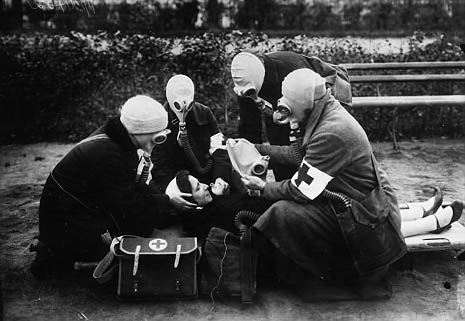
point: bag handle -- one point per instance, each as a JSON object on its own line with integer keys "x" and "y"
{"x": 104, "y": 271}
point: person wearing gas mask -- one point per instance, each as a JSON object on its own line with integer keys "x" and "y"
{"x": 430, "y": 216}
{"x": 100, "y": 190}
{"x": 196, "y": 143}
{"x": 337, "y": 217}
{"x": 257, "y": 83}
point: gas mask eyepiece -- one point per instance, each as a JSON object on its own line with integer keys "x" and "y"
{"x": 161, "y": 137}
{"x": 182, "y": 105}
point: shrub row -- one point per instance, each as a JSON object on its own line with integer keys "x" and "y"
{"x": 61, "y": 87}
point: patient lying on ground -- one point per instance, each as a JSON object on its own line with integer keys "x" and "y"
{"x": 215, "y": 206}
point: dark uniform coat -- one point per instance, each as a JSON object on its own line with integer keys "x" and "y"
{"x": 169, "y": 157}
{"x": 316, "y": 233}
{"x": 92, "y": 190}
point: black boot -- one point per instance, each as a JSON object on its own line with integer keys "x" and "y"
{"x": 42, "y": 267}
{"x": 48, "y": 264}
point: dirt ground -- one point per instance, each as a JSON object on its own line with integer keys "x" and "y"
{"x": 430, "y": 287}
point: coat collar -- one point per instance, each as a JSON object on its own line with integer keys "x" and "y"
{"x": 319, "y": 109}
{"x": 118, "y": 133}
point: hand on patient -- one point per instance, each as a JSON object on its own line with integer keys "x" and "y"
{"x": 253, "y": 182}
{"x": 180, "y": 203}
{"x": 178, "y": 199}
{"x": 220, "y": 187}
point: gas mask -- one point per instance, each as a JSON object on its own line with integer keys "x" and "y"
{"x": 261, "y": 103}
{"x": 181, "y": 108}
{"x": 161, "y": 137}
{"x": 248, "y": 74}
{"x": 180, "y": 96}
{"x": 282, "y": 112}
{"x": 300, "y": 89}
{"x": 246, "y": 159}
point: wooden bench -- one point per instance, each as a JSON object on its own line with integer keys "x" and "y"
{"x": 363, "y": 73}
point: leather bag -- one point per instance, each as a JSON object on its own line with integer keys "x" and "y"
{"x": 229, "y": 264}
{"x": 153, "y": 268}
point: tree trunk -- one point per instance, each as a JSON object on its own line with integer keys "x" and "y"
{"x": 16, "y": 20}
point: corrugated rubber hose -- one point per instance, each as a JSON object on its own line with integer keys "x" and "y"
{"x": 296, "y": 140}
{"x": 244, "y": 219}
{"x": 186, "y": 146}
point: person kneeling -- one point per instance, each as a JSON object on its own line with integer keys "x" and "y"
{"x": 100, "y": 190}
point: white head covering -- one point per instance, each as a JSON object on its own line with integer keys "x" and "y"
{"x": 300, "y": 89}
{"x": 172, "y": 188}
{"x": 248, "y": 72}
{"x": 180, "y": 88}
{"x": 143, "y": 115}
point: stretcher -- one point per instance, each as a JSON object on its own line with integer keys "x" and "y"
{"x": 450, "y": 239}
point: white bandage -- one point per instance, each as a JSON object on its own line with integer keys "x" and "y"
{"x": 310, "y": 180}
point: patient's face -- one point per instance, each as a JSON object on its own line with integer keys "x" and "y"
{"x": 200, "y": 192}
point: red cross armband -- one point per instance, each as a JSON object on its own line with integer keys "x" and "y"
{"x": 310, "y": 181}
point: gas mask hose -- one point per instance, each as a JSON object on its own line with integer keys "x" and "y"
{"x": 244, "y": 219}
{"x": 296, "y": 139}
{"x": 338, "y": 197}
{"x": 186, "y": 146}
{"x": 265, "y": 107}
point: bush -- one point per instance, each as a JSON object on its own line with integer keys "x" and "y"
{"x": 62, "y": 87}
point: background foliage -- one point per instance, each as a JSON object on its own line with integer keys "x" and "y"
{"x": 62, "y": 87}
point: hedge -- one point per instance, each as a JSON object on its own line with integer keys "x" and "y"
{"x": 62, "y": 87}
